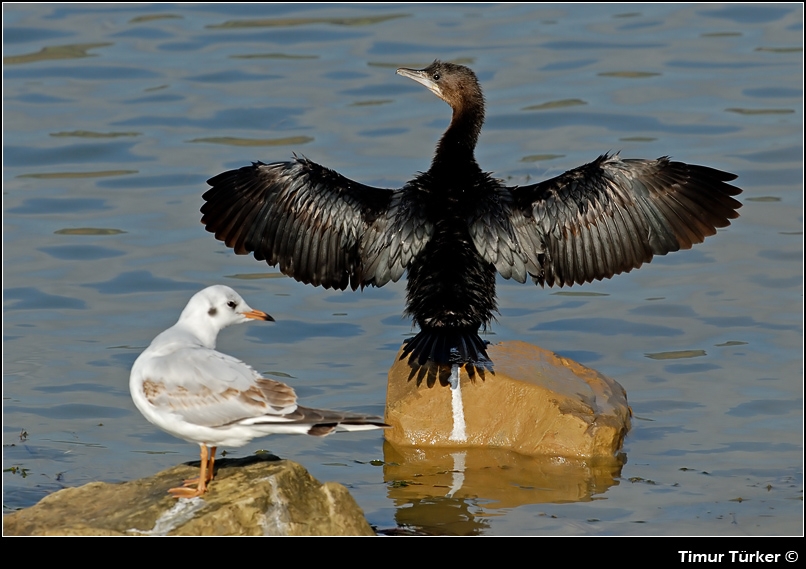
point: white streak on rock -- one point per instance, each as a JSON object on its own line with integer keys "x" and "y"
{"x": 458, "y": 434}
{"x": 180, "y": 513}
{"x": 276, "y": 519}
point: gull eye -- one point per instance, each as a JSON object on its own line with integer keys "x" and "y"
{"x": 232, "y": 304}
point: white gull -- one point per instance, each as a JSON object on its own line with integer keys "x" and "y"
{"x": 187, "y": 388}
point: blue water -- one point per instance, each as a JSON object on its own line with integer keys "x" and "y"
{"x": 114, "y": 117}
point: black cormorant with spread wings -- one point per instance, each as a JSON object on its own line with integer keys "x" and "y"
{"x": 453, "y": 227}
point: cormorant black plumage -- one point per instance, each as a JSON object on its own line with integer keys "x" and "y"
{"x": 453, "y": 227}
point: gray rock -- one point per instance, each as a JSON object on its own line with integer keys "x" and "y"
{"x": 258, "y": 495}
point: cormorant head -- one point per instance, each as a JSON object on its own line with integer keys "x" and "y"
{"x": 455, "y": 84}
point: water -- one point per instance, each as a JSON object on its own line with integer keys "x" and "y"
{"x": 114, "y": 117}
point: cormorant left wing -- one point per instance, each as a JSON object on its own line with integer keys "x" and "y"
{"x": 318, "y": 226}
{"x": 602, "y": 219}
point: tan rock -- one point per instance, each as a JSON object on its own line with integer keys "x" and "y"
{"x": 535, "y": 403}
{"x": 259, "y": 495}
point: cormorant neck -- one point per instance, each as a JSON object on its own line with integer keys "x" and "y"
{"x": 458, "y": 144}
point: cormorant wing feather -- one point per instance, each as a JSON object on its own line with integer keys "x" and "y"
{"x": 608, "y": 217}
{"x": 320, "y": 227}
{"x": 493, "y": 229}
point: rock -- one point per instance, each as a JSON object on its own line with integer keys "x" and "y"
{"x": 257, "y": 495}
{"x": 535, "y": 403}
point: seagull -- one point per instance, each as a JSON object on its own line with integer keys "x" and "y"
{"x": 184, "y": 386}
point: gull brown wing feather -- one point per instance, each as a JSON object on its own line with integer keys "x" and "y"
{"x": 318, "y": 226}
{"x": 604, "y": 218}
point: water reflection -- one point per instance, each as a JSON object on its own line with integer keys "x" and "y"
{"x": 455, "y": 492}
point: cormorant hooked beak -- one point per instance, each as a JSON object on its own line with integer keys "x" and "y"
{"x": 423, "y": 78}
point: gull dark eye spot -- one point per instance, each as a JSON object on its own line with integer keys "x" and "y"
{"x": 212, "y": 312}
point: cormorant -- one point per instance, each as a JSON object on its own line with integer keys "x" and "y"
{"x": 453, "y": 227}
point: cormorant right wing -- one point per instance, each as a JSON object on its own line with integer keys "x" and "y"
{"x": 320, "y": 227}
{"x": 602, "y": 219}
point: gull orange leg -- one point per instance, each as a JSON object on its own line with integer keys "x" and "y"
{"x": 211, "y": 464}
{"x": 209, "y": 477}
{"x": 187, "y": 491}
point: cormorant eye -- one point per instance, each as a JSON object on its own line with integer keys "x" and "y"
{"x": 232, "y": 304}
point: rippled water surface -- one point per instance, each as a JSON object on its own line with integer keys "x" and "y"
{"x": 114, "y": 117}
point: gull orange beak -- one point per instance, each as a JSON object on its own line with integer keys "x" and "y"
{"x": 258, "y": 315}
